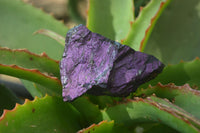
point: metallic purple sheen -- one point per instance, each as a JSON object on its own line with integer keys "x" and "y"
{"x": 97, "y": 65}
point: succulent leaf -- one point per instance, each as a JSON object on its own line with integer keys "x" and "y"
{"x": 47, "y": 114}
{"x": 24, "y": 58}
{"x": 148, "y": 110}
{"x": 29, "y": 63}
{"x": 144, "y": 23}
{"x": 91, "y": 114}
{"x": 182, "y": 96}
{"x": 176, "y": 34}
{"x": 162, "y": 108}
{"x": 138, "y": 5}
{"x": 20, "y": 20}
{"x": 110, "y": 18}
{"x": 34, "y": 75}
{"x": 102, "y": 127}
{"x": 179, "y": 74}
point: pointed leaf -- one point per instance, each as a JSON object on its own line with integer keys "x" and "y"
{"x": 147, "y": 110}
{"x": 48, "y": 114}
{"x": 144, "y": 23}
{"x": 18, "y": 23}
{"x": 176, "y": 109}
{"x": 138, "y": 4}
{"x": 26, "y": 59}
{"x": 183, "y": 96}
{"x": 52, "y": 83}
{"x": 110, "y": 18}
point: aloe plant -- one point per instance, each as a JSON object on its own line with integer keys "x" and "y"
{"x": 32, "y": 44}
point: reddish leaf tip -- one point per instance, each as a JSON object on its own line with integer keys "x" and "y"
{"x": 131, "y": 23}
{"x": 87, "y": 11}
{"x": 122, "y": 41}
{"x": 141, "y": 8}
{"x": 93, "y": 126}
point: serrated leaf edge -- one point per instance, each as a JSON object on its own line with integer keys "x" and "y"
{"x": 17, "y": 105}
{"x": 184, "y": 88}
{"x": 36, "y": 71}
{"x": 50, "y": 79}
{"x": 171, "y": 111}
{"x": 151, "y": 24}
{"x": 95, "y": 125}
{"x": 185, "y": 116}
{"x": 42, "y": 55}
{"x": 162, "y": 107}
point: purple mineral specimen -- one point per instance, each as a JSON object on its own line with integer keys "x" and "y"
{"x": 97, "y": 65}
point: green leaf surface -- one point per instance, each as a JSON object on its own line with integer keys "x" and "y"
{"x": 43, "y": 66}
{"x": 177, "y": 110}
{"x": 110, "y": 18}
{"x": 144, "y": 23}
{"x": 60, "y": 39}
{"x": 102, "y": 101}
{"x": 52, "y": 83}
{"x": 7, "y": 99}
{"x": 88, "y": 110}
{"x": 154, "y": 128}
{"x": 183, "y": 96}
{"x": 46, "y": 115}
{"x": 148, "y": 110}
{"x": 33, "y": 88}
{"x": 180, "y": 74}
{"x": 102, "y": 127}
{"x": 92, "y": 114}
{"x": 28, "y": 60}
{"x": 18, "y": 23}
{"x": 176, "y": 35}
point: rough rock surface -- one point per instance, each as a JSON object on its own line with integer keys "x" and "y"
{"x": 97, "y": 65}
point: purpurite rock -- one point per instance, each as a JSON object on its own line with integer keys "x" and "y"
{"x": 97, "y": 65}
